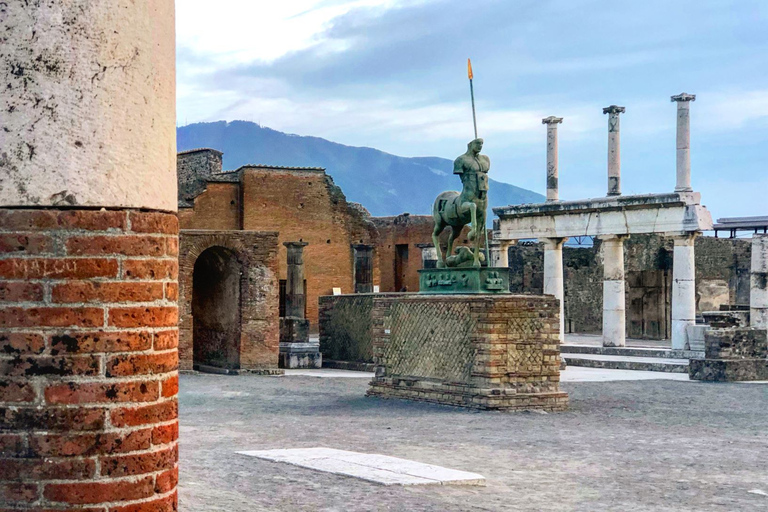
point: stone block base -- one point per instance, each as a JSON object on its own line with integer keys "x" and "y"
{"x": 498, "y": 399}
{"x": 496, "y": 352}
{"x": 728, "y": 370}
{"x": 294, "y": 330}
{"x": 300, "y": 355}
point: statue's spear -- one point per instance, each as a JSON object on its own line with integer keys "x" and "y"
{"x": 472, "y": 93}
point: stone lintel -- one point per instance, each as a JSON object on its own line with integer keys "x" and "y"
{"x": 683, "y": 96}
{"x": 296, "y": 244}
{"x": 552, "y": 120}
{"x": 614, "y": 109}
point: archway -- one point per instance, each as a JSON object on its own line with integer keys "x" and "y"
{"x": 216, "y": 309}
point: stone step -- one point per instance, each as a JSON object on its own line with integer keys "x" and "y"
{"x": 664, "y": 353}
{"x": 648, "y": 364}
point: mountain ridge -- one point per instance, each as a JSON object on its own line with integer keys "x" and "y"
{"x": 385, "y": 184}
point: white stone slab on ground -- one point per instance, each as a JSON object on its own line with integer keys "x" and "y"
{"x": 584, "y": 374}
{"x": 380, "y": 469}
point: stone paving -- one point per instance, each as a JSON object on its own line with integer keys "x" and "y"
{"x": 655, "y": 445}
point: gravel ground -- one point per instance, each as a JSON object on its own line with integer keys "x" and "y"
{"x": 624, "y": 446}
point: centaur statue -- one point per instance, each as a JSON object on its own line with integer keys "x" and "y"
{"x": 456, "y": 209}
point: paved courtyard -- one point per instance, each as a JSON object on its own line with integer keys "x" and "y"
{"x": 652, "y": 445}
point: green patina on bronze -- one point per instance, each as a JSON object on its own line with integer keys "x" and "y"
{"x": 465, "y": 270}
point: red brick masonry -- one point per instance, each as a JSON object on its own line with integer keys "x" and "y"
{"x": 88, "y": 360}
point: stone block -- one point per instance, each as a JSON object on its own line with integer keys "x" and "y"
{"x": 300, "y": 355}
{"x": 294, "y": 330}
{"x": 476, "y": 351}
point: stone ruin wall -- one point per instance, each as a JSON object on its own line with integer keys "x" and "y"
{"x": 722, "y": 277}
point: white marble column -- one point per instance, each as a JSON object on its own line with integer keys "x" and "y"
{"x": 614, "y": 149}
{"x": 504, "y": 253}
{"x": 683, "y": 290}
{"x": 552, "y": 157}
{"x": 758, "y": 296}
{"x": 553, "y": 275}
{"x": 614, "y": 309}
{"x": 683, "y": 101}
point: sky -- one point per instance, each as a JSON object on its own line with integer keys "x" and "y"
{"x": 391, "y": 74}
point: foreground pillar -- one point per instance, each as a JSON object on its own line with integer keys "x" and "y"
{"x": 296, "y": 351}
{"x": 552, "y": 157}
{"x": 614, "y": 149}
{"x": 88, "y": 257}
{"x": 683, "y": 290}
{"x": 758, "y": 295}
{"x": 683, "y": 141}
{"x": 614, "y": 314}
{"x": 553, "y": 276}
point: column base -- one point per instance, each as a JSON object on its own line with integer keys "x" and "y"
{"x": 300, "y": 355}
{"x": 294, "y": 330}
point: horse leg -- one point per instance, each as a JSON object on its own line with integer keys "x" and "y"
{"x": 439, "y": 226}
{"x": 451, "y": 239}
{"x": 473, "y": 213}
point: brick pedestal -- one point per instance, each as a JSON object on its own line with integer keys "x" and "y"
{"x": 485, "y": 352}
{"x": 88, "y": 360}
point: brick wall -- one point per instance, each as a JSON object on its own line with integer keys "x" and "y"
{"x": 88, "y": 360}
{"x": 259, "y": 330}
{"x": 218, "y": 207}
{"x": 405, "y": 230}
{"x": 306, "y": 205}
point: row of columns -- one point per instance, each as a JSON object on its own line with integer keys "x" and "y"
{"x": 614, "y": 301}
{"x": 683, "y": 148}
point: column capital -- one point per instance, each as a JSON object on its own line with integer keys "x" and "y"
{"x": 552, "y": 120}
{"x": 614, "y": 109}
{"x": 612, "y": 237}
{"x": 296, "y": 244}
{"x": 683, "y": 238}
{"x": 683, "y": 97}
{"x": 553, "y": 243}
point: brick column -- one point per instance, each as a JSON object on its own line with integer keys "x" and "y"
{"x": 88, "y": 371}
{"x": 88, "y": 257}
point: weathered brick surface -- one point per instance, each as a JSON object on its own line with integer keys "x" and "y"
{"x": 88, "y": 360}
{"x": 256, "y": 333}
{"x": 500, "y": 352}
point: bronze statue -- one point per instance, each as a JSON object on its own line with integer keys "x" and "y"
{"x": 456, "y": 209}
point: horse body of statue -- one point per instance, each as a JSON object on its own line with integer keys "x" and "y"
{"x": 457, "y": 209}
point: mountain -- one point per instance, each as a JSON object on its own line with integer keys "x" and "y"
{"x": 385, "y": 184}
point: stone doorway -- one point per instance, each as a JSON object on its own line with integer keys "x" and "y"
{"x": 649, "y": 304}
{"x": 228, "y": 301}
{"x": 216, "y": 309}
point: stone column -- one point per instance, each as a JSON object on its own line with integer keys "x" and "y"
{"x": 614, "y": 314}
{"x": 683, "y": 101}
{"x": 614, "y": 149}
{"x": 553, "y": 275}
{"x": 552, "y": 158}
{"x": 88, "y": 256}
{"x": 428, "y": 255}
{"x": 504, "y": 252}
{"x": 758, "y": 296}
{"x": 363, "y": 268}
{"x": 296, "y": 350}
{"x": 683, "y": 290}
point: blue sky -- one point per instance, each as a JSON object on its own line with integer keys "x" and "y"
{"x": 391, "y": 74}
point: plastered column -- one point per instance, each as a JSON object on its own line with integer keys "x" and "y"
{"x": 88, "y": 256}
{"x": 758, "y": 296}
{"x": 88, "y": 104}
{"x": 295, "y": 299}
{"x": 614, "y": 309}
{"x": 553, "y": 275}
{"x": 552, "y": 157}
{"x": 683, "y": 101}
{"x": 504, "y": 253}
{"x": 683, "y": 289}
{"x": 614, "y": 149}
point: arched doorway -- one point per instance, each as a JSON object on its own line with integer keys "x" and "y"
{"x": 216, "y": 309}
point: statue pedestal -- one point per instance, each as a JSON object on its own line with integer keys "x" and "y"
{"x": 499, "y": 352}
{"x": 296, "y": 350}
{"x": 463, "y": 280}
